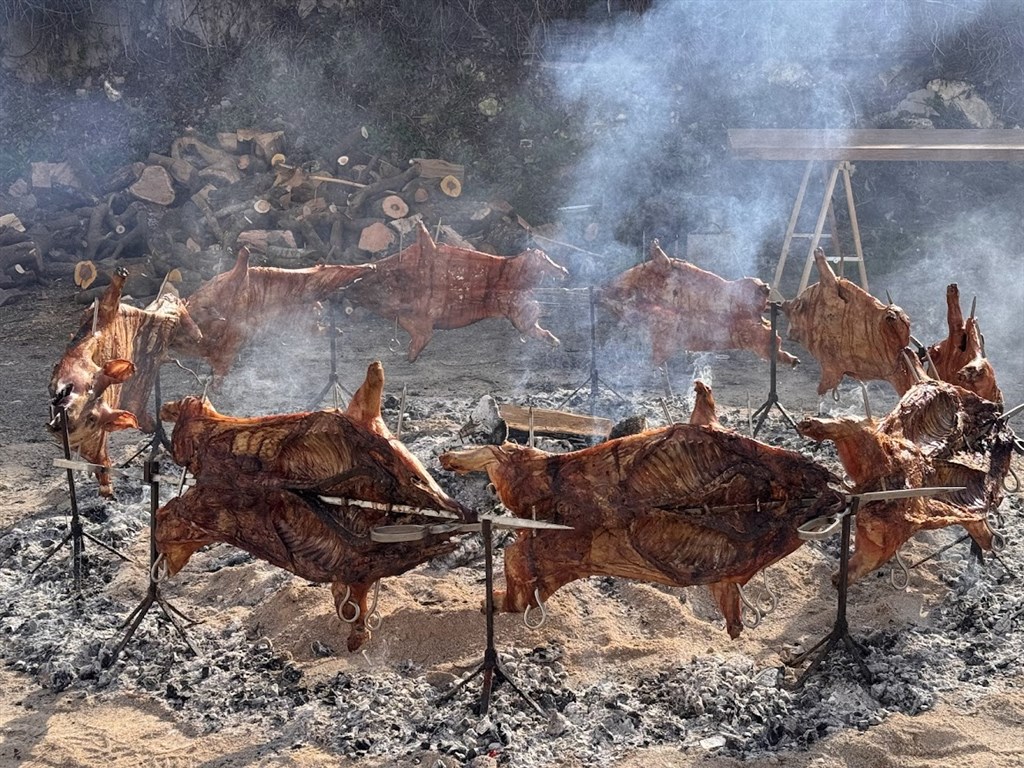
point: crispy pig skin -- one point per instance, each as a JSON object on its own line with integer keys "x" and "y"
{"x": 231, "y": 307}
{"x": 258, "y": 486}
{"x": 959, "y": 358}
{"x": 430, "y": 285}
{"x": 683, "y": 308}
{"x": 105, "y": 377}
{"x": 651, "y": 507}
{"x": 938, "y": 435}
{"x": 851, "y": 333}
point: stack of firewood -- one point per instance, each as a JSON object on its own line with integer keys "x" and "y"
{"x": 184, "y": 213}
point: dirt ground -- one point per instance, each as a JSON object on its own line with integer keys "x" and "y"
{"x": 639, "y": 628}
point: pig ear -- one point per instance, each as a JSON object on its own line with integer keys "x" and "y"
{"x": 118, "y": 370}
{"x": 114, "y": 420}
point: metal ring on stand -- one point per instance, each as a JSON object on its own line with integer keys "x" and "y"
{"x": 543, "y": 613}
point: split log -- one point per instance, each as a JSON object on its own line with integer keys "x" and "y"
{"x": 48, "y": 175}
{"x": 122, "y": 178}
{"x": 448, "y": 235}
{"x": 181, "y": 170}
{"x": 264, "y": 144}
{"x": 261, "y": 239}
{"x": 154, "y": 186}
{"x": 376, "y": 238}
{"x": 203, "y": 204}
{"x": 554, "y": 424}
{"x": 11, "y": 222}
{"x": 437, "y": 169}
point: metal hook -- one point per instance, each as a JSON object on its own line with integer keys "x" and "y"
{"x": 394, "y": 345}
{"x": 1016, "y": 482}
{"x": 373, "y": 617}
{"x": 899, "y": 579}
{"x": 159, "y": 571}
{"x": 753, "y": 612}
{"x": 773, "y": 599}
{"x": 346, "y": 601}
{"x": 543, "y": 613}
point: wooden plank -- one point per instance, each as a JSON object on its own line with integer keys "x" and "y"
{"x": 938, "y": 144}
{"x": 550, "y": 422}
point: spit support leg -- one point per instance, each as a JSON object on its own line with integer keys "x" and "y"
{"x": 594, "y": 379}
{"x": 333, "y": 387}
{"x": 841, "y": 629}
{"x": 76, "y": 532}
{"x": 151, "y": 475}
{"x": 773, "y": 394}
{"x": 491, "y": 668}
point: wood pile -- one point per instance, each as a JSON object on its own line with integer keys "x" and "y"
{"x": 185, "y": 212}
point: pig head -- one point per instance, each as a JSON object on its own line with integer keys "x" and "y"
{"x": 105, "y": 377}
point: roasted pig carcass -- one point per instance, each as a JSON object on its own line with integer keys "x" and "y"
{"x": 682, "y": 505}
{"x": 683, "y": 308}
{"x": 431, "y": 285}
{"x": 231, "y": 307}
{"x": 106, "y": 375}
{"x": 939, "y": 435}
{"x": 960, "y": 357}
{"x": 850, "y": 333}
{"x": 304, "y": 491}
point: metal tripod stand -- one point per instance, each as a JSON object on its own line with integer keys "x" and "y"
{"x": 333, "y": 385}
{"x": 491, "y": 667}
{"x": 594, "y": 380}
{"x": 773, "y": 395}
{"x": 76, "y": 533}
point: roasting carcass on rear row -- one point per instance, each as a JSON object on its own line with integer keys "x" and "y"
{"x": 682, "y": 505}
{"x": 106, "y": 375}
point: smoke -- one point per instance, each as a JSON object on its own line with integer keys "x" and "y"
{"x": 657, "y": 93}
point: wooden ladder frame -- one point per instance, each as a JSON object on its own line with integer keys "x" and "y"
{"x": 825, "y": 211}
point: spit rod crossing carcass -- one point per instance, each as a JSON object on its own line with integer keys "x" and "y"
{"x": 105, "y": 377}
{"x": 683, "y": 308}
{"x": 233, "y": 306}
{"x": 304, "y": 491}
{"x": 430, "y": 285}
{"x": 682, "y": 505}
{"x": 938, "y": 435}
{"x": 851, "y": 333}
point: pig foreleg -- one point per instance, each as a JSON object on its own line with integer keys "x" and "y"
{"x": 525, "y": 316}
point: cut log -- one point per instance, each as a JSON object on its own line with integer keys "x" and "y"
{"x": 265, "y": 144}
{"x": 394, "y": 207}
{"x": 448, "y": 235}
{"x": 12, "y": 222}
{"x": 47, "y": 175}
{"x": 376, "y": 238}
{"x": 181, "y": 170}
{"x": 154, "y": 186}
{"x": 392, "y": 183}
{"x": 261, "y": 239}
{"x": 122, "y": 178}
{"x": 421, "y": 195}
{"x": 85, "y": 274}
{"x": 451, "y": 186}
{"x": 554, "y": 424}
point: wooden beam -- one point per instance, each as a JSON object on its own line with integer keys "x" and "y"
{"x": 553, "y": 423}
{"x": 940, "y": 145}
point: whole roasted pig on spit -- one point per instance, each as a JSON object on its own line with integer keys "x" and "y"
{"x": 231, "y": 307}
{"x": 304, "y": 491}
{"x": 106, "y": 375}
{"x": 939, "y": 435}
{"x": 850, "y": 332}
{"x": 960, "y": 357}
{"x": 432, "y": 285}
{"x": 683, "y": 505}
{"x": 683, "y": 308}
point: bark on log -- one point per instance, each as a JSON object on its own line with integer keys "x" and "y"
{"x": 393, "y": 183}
{"x": 122, "y": 178}
{"x": 431, "y": 168}
{"x": 393, "y": 207}
{"x": 181, "y": 170}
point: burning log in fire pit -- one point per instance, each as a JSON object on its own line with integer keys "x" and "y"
{"x": 304, "y": 491}
{"x": 682, "y": 505}
{"x": 431, "y": 285}
{"x": 960, "y": 357}
{"x": 234, "y": 305}
{"x": 850, "y": 332}
{"x": 105, "y": 377}
{"x": 938, "y": 435}
{"x": 685, "y": 308}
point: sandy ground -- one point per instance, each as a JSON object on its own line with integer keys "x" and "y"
{"x": 435, "y": 622}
